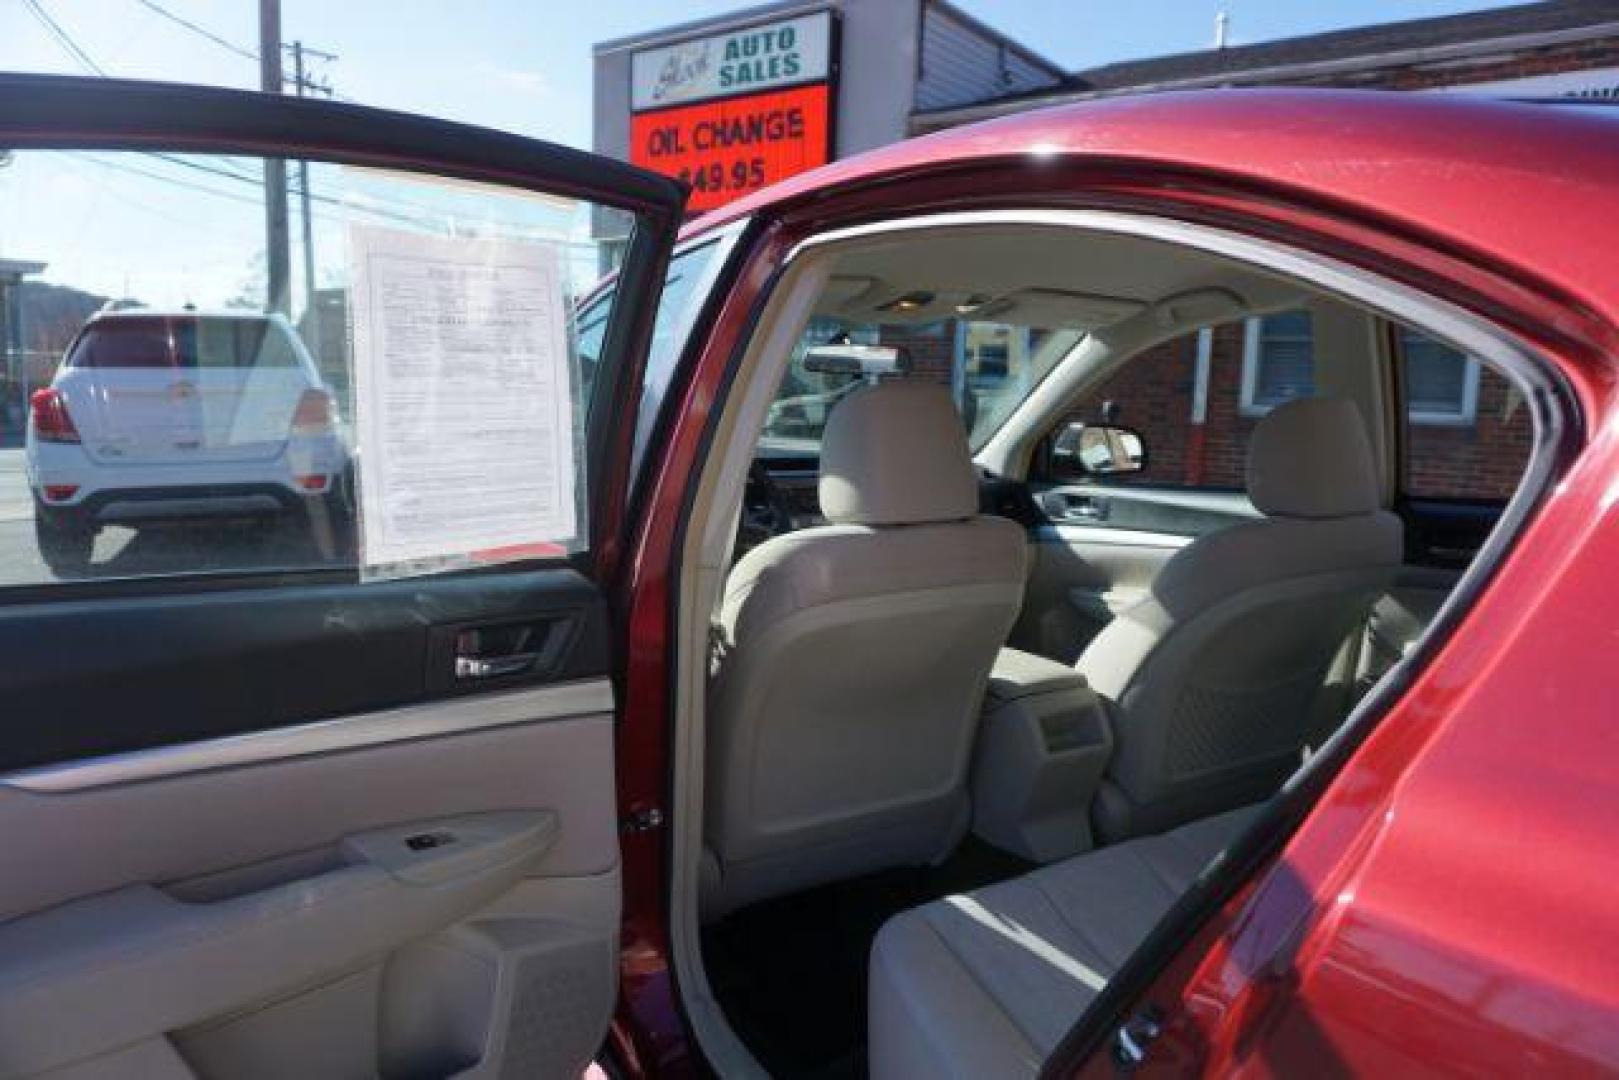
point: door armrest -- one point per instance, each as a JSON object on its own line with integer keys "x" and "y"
{"x": 79, "y": 980}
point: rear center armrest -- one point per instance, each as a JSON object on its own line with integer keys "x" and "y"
{"x": 1018, "y": 674}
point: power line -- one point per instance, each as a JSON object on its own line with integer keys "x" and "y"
{"x": 84, "y": 58}
{"x": 378, "y": 211}
{"x": 240, "y": 50}
{"x": 179, "y": 20}
{"x": 64, "y": 37}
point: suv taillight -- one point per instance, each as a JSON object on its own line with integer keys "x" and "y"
{"x": 47, "y": 411}
{"x": 313, "y": 416}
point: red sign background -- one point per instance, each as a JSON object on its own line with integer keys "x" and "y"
{"x": 728, "y": 148}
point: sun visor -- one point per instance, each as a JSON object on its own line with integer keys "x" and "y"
{"x": 1058, "y": 309}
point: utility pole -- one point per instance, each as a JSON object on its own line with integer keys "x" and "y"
{"x": 278, "y": 261}
{"x": 311, "y": 313}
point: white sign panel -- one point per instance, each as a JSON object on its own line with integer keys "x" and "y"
{"x": 758, "y": 58}
{"x": 1600, "y": 83}
{"x": 462, "y": 395}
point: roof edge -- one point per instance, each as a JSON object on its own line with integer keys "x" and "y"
{"x": 993, "y": 107}
{"x": 980, "y": 27}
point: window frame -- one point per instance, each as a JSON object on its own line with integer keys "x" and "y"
{"x": 1467, "y": 416}
{"x": 1253, "y": 344}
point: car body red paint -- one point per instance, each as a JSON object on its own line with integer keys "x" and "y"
{"x": 1452, "y": 902}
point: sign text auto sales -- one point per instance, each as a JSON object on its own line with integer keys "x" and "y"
{"x": 731, "y": 113}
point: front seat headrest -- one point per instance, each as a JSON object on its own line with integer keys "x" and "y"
{"x": 896, "y": 454}
{"x": 1311, "y": 458}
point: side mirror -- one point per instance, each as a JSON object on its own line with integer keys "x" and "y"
{"x": 1098, "y": 450}
{"x": 857, "y": 360}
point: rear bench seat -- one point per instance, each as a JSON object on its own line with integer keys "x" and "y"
{"x": 987, "y": 983}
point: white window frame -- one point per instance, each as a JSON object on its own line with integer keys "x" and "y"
{"x": 1469, "y": 411}
{"x": 1252, "y": 336}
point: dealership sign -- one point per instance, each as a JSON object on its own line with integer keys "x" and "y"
{"x": 732, "y": 112}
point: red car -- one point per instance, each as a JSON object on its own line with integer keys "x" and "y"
{"x": 1184, "y": 653}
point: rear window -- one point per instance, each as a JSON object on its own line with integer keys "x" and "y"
{"x": 183, "y": 343}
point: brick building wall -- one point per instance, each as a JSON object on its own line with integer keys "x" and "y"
{"x": 1483, "y": 459}
{"x": 1153, "y": 394}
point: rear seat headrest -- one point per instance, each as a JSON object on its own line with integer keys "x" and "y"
{"x": 1311, "y": 458}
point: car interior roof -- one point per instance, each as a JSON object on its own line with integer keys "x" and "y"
{"x": 1029, "y": 275}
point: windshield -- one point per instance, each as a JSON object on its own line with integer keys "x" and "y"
{"x": 990, "y": 369}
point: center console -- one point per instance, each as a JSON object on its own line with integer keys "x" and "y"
{"x": 1042, "y": 745}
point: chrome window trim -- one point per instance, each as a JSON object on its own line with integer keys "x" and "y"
{"x": 408, "y": 723}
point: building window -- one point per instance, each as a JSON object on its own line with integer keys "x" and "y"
{"x": 1278, "y": 361}
{"x": 1441, "y": 383}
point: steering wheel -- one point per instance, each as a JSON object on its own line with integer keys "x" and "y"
{"x": 766, "y": 509}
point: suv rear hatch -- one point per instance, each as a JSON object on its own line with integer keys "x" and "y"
{"x": 184, "y": 390}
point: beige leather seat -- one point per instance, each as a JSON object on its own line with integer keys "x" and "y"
{"x": 988, "y": 983}
{"x": 1214, "y": 673}
{"x": 856, "y": 655}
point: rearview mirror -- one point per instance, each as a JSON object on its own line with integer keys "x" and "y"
{"x": 857, "y": 360}
{"x": 1098, "y": 450}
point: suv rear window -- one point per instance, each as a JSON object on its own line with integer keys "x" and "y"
{"x": 187, "y": 343}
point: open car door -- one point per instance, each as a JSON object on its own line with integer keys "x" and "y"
{"x": 310, "y": 772}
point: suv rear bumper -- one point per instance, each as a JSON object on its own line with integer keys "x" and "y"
{"x": 188, "y": 503}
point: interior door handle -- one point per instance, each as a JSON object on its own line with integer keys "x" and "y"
{"x": 490, "y": 652}
{"x": 1061, "y": 506}
{"x": 490, "y": 667}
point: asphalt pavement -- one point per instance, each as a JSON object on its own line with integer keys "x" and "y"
{"x": 124, "y": 552}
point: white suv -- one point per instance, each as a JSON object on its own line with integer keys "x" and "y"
{"x": 172, "y": 415}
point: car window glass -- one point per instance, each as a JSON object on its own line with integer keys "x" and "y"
{"x": 1468, "y": 433}
{"x": 1196, "y": 400}
{"x": 685, "y": 290}
{"x": 989, "y": 367}
{"x": 591, "y": 335}
{"x": 175, "y": 401}
{"x": 124, "y": 343}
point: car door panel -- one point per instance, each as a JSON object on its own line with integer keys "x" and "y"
{"x": 1096, "y": 550}
{"x": 151, "y": 671}
{"x": 111, "y": 857}
{"x": 1170, "y": 511}
{"x": 1080, "y": 577}
{"x": 274, "y": 822}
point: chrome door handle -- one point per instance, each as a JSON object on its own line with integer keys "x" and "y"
{"x": 1061, "y": 507}
{"x": 1084, "y": 511}
{"x": 490, "y": 667}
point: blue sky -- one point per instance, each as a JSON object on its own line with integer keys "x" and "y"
{"x": 524, "y": 65}
{"x": 168, "y": 234}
